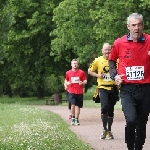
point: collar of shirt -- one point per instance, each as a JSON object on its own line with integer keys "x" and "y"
{"x": 142, "y": 39}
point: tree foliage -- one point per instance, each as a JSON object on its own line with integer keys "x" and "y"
{"x": 74, "y": 30}
{"x": 29, "y": 43}
{"x": 85, "y": 25}
{"x": 39, "y": 38}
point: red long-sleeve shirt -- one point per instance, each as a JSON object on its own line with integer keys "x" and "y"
{"x": 134, "y": 59}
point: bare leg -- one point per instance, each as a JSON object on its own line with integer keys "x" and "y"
{"x": 70, "y": 111}
{"x": 77, "y": 112}
{"x": 73, "y": 110}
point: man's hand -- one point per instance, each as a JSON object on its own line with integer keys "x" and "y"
{"x": 83, "y": 83}
{"x": 118, "y": 79}
{"x": 80, "y": 82}
{"x": 101, "y": 75}
{"x": 68, "y": 83}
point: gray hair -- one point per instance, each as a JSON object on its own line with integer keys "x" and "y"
{"x": 106, "y": 44}
{"x": 134, "y": 15}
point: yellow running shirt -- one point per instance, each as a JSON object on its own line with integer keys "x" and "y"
{"x": 100, "y": 65}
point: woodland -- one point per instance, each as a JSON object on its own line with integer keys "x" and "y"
{"x": 39, "y": 38}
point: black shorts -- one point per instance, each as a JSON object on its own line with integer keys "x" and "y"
{"x": 76, "y": 99}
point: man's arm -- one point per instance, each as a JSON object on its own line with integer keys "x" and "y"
{"x": 113, "y": 69}
{"x": 84, "y": 79}
{"x": 65, "y": 86}
{"x": 83, "y": 82}
{"x": 67, "y": 82}
{"x": 94, "y": 74}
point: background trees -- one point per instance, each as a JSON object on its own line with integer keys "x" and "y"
{"x": 28, "y": 45}
{"x": 40, "y": 37}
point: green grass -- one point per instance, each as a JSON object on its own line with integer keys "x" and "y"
{"x": 29, "y": 128}
{"x": 23, "y": 127}
{"x": 92, "y": 104}
{"x": 25, "y": 101}
{"x": 88, "y": 102}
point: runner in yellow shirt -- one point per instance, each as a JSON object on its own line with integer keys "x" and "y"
{"x": 107, "y": 89}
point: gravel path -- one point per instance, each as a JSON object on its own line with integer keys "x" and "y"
{"x": 91, "y": 128}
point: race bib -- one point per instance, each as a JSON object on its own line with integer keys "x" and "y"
{"x": 135, "y": 72}
{"x": 107, "y": 77}
{"x": 75, "y": 79}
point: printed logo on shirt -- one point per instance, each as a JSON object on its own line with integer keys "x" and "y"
{"x": 128, "y": 53}
{"x": 106, "y": 69}
{"x": 106, "y": 74}
{"x": 149, "y": 52}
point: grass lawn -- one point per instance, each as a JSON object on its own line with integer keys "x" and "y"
{"x": 28, "y": 128}
{"x": 23, "y": 127}
{"x": 88, "y": 102}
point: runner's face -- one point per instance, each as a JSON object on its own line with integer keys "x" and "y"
{"x": 74, "y": 64}
{"x": 106, "y": 50}
{"x": 136, "y": 28}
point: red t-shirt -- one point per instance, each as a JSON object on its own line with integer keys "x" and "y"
{"x": 134, "y": 59}
{"x": 74, "y": 78}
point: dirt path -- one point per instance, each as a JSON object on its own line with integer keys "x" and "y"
{"x": 91, "y": 128}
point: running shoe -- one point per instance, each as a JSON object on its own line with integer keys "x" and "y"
{"x": 110, "y": 135}
{"x": 103, "y": 135}
{"x": 73, "y": 121}
{"x": 77, "y": 122}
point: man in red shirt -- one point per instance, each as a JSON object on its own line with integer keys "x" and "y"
{"x": 75, "y": 80}
{"x": 133, "y": 76}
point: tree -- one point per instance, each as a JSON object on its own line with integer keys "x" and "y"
{"x": 29, "y": 43}
{"x": 74, "y": 30}
{"x": 84, "y": 26}
{"x": 144, "y": 7}
{"x": 40, "y": 38}
{"x": 4, "y": 65}
{"x": 110, "y": 17}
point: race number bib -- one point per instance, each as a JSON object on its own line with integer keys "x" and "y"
{"x": 135, "y": 72}
{"x": 75, "y": 79}
{"x": 107, "y": 77}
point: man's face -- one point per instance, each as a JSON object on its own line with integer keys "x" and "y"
{"x": 74, "y": 64}
{"x": 136, "y": 28}
{"x": 106, "y": 50}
